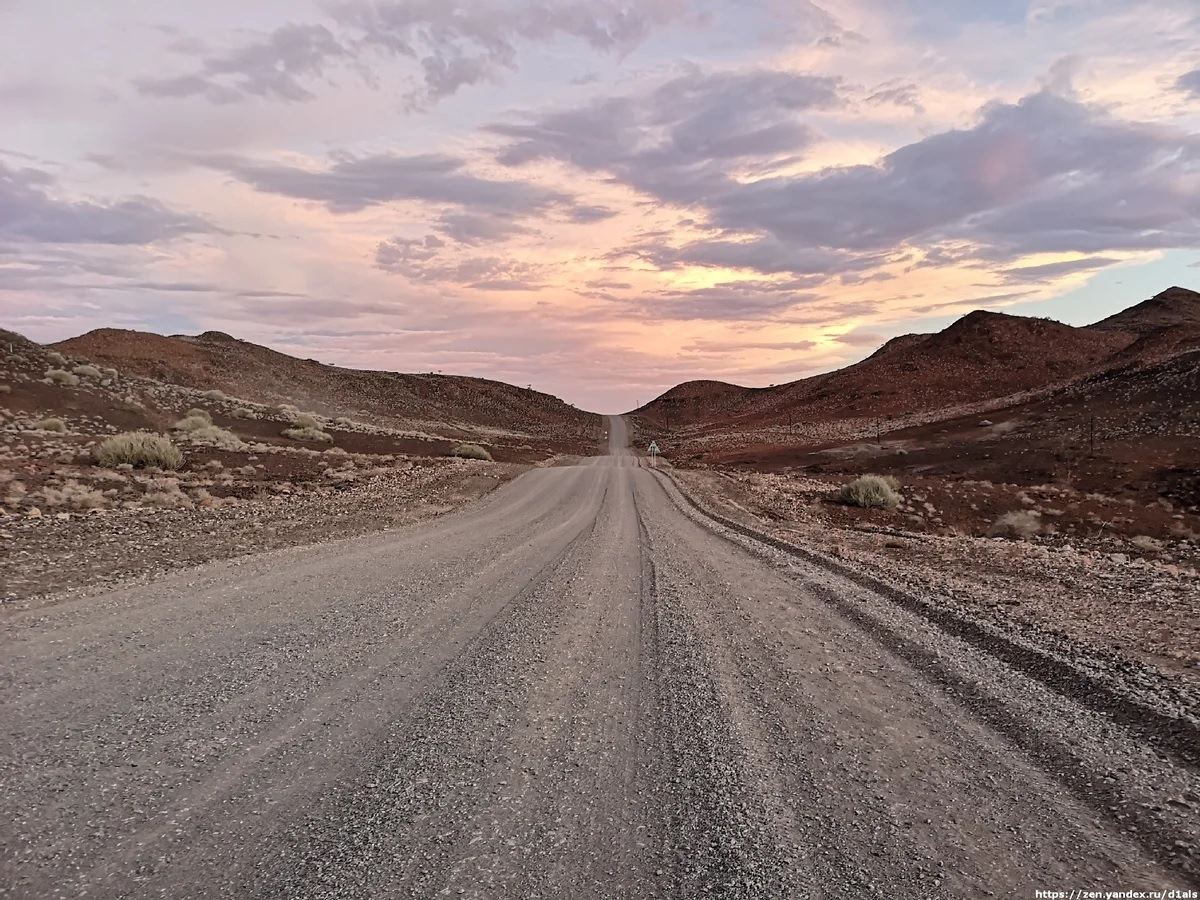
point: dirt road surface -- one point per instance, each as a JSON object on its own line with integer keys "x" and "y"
{"x": 577, "y": 687}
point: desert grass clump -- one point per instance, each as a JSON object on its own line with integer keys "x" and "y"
{"x": 73, "y": 495}
{"x": 218, "y": 437}
{"x": 213, "y": 395}
{"x": 243, "y": 413}
{"x": 86, "y": 371}
{"x": 52, "y": 424}
{"x": 312, "y": 434}
{"x": 1018, "y": 525}
{"x": 140, "y": 449}
{"x": 193, "y": 420}
{"x": 5, "y": 388}
{"x": 112, "y": 373}
{"x": 62, "y": 376}
{"x": 56, "y": 358}
{"x": 306, "y": 420}
{"x": 872, "y": 492}
{"x": 471, "y": 451}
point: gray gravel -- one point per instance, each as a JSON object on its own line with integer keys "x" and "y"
{"x": 579, "y": 687}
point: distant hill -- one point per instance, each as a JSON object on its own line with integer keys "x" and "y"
{"x": 981, "y": 356}
{"x": 214, "y": 360}
{"x": 1174, "y": 307}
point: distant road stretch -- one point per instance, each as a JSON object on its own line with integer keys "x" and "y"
{"x": 576, "y": 688}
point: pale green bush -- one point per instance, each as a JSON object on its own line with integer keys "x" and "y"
{"x": 194, "y": 420}
{"x": 1018, "y": 525}
{"x": 86, "y": 371}
{"x": 140, "y": 449}
{"x": 872, "y": 492}
{"x": 305, "y": 433}
{"x": 471, "y": 451}
{"x": 62, "y": 376}
{"x": 218, "y": 437}
{"x": 52, "y": 424}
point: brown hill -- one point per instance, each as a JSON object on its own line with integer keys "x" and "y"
{"x": 214, "y": 360}
{"x": 983, "y": 355}
{"x": 1174, "y": 307}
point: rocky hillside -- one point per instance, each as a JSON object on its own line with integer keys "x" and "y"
{"x": 983, "y": 355}
{"x": 216, "y": 361}
{"x": 1175, "y": 307}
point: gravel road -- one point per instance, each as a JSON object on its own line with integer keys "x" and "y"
{"x": 577, "y": 687}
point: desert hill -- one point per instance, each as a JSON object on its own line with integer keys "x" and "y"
{"x": 1175, "y": 307}
{"x": 216, "y": 361}
{"x": 983, "y": 355}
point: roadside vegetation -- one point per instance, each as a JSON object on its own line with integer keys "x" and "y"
{"x": 471, "y": 451}
{"x": 872, "y": 492}
{"x": 62, "y": 376}
{"x": 1018, "y": 525}
{"x": 140, "y": 449}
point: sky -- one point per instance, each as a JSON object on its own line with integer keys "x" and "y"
{"x": 600, "y": 198}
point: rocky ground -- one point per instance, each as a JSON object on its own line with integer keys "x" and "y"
{"x": 48, "y": 557}
{"x": 1128, "y": 600}
{"x": 249, "y": 476}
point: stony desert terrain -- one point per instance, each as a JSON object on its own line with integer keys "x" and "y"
{"x": 243, "y": 485}
{"x": 1048, "y": 475}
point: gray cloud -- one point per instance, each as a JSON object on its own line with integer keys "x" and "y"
{"x": 30, "y": 211}
{"x": 459, "y": 43}
{"x": 1050, "y": 271}
{"x": 729, "y": 301}
{"x": 455, "y": 43}
{"x": 585, "y": 215}
{"x": 273, "y": 67}
{"x": 473, "y": 229}
{"x": 897, "y": 93}
{"x": 351, "y": 184}
{"x": 1045, "y": 174}
{"x": 679, "y": 141}
{"x": 419, "y": 259}
{"x": 766, "y": 255}
{"x": 1189, "y": 83}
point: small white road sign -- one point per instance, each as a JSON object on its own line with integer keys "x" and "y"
{"x": 653, "y": 448}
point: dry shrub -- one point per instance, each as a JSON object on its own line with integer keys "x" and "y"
{"x": 218, "y": 437}
{"x": 471, "y": 451}
{"x": 62, "y": 376}
{"x": 306, "y": 433}
{"x": 166, "y": 492}
{"x": 243, "y": 413}
{"x": 73, "y": 495}
{"x": 5, "y": 388}
{"x": 14, "y": 493}
{"x": 56, "y": 358}
{"x": 872, "y": 492}
{"x": 1018, "y": 525}
{"x": 86, "y": 371}
{"x": 1146, "y": 544}
{"x": 140, "y": 449}
{"x": 306, "y": 420}
{"x": 194, "y": 420}
{"x": 112, "y": 373}
{"x": 52, "y": 424}
{"x": 213, "y": 395}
